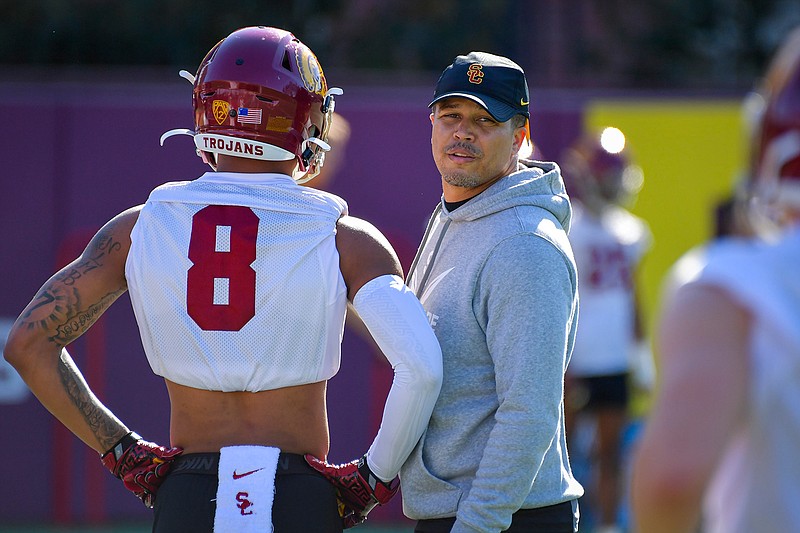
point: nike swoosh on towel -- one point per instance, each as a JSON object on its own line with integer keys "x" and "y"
{"x": 239, "y": 476}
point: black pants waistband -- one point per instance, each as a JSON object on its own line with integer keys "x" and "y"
{"x": 208, "y": 463}
{"x": 559, "y": 517}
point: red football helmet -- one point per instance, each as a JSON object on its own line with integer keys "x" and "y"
{"x": 775, "y": 159}
{"x": 597, "y": 169}
{"x": 260, "y": 93}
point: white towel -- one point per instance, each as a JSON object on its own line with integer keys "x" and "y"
{"x": 246, "y": 489}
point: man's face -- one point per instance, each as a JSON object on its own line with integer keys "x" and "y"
{"x": 471, "y": 149}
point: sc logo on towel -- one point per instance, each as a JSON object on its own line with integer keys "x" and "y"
{"x": 244, "y": 504}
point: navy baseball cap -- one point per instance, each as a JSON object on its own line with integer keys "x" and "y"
{"x": 495, "y": 82}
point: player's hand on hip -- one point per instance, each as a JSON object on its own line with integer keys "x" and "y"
{"x": 358, "y": 490}
{"x": 141, "y": 465}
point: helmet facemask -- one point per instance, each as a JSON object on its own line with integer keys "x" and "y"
{"x": 314, "y": 148}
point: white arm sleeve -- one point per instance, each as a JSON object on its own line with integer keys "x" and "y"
{"x": 398, "y": 323}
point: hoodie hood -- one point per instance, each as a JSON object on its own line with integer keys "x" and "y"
{"x": 535, "y": 183}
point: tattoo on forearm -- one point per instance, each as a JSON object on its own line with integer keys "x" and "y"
{"x": 101, "y": 423}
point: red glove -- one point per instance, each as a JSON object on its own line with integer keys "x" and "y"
{"x": 357, "y": 488}
{"x": 141, "y": 465}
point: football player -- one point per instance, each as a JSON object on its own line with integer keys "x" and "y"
{"x": 720, "y": 444}
{"x": 609, "y": 243}
{"x": 239, "y": 281}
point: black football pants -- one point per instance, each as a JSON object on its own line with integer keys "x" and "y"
{"x": 186, "y": 501}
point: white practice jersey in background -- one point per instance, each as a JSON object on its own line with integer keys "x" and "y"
{"x": 757, "y": 483}
{"x": 607, "y": 250}
{"x": 235, "y": 282}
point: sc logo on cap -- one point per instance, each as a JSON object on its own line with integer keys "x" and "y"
{"x": 475, "y": 73}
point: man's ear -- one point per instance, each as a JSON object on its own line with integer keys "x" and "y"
{"x": 520, "y": 134}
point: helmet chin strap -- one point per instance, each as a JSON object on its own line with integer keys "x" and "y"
{"x": 188, "y": 76}
{"x": 177, "y": 131}
{"x": 185, "y": 74}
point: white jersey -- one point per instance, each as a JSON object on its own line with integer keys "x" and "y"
{"x": 235, "y": 282}
{"x": 608, "y": 249}
{"x": 757, "y": 483}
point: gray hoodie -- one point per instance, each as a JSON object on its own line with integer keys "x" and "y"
{"x": 498, "y": 281}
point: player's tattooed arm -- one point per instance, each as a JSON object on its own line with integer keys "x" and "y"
{"x": 77, "y": 295}
{"x": 64, "y": 308}
{"x": 105, "y": 427}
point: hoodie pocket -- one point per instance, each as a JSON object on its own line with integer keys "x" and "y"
{"x": 426, "y": 496}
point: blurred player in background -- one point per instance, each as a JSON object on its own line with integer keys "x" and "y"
{"x": 609, "y": 243}
{"x": 720, "y": 446}
{"x": 239, "y": 281}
